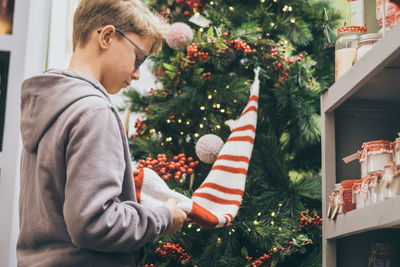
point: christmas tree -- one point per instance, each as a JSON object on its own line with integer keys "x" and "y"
{"x": 204, "y": 73}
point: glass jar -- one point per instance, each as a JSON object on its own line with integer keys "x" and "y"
{"x": 387, "y": 180}
{"x": 393, "y": 13}
{"x": 380, "y": 25}
{"x": 393, "y": 177}
{"x": 337, "y": 207}
{"x": 382, "y": 255}
{"x": 347, "y": 195}
{"x": 357, "y": 12}
{"x": 379, "y": 10}
{"x": 345, "y": 48}
{"x": 360, "y": 195}
{"x": 374, "y": 189}
{"x": 396, "y": 151}
{"x": 366, "y": 42}
{"x": 375, "y": 155}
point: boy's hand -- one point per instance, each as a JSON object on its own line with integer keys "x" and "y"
{"x": 178, "y": 216}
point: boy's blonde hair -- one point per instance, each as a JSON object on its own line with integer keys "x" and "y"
{"x": 126, "y": 15}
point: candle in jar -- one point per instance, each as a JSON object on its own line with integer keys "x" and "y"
{"x": 344, "y": 59}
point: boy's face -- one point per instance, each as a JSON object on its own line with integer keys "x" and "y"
{"x": 120, "y": 58}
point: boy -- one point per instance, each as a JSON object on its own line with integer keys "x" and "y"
{"x": 77, "y": 200}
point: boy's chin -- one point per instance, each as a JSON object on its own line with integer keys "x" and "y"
{"x": 113, "y": 91}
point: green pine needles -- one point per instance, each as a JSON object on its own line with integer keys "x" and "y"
{"x": 208, "y": 83}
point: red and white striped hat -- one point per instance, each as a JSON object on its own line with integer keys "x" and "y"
{"x": 216, "y": 202}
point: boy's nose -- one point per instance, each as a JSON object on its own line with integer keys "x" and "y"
{"x": 136, "y": 74}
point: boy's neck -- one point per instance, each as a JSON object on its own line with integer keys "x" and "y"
{"x": 83, "y": 63}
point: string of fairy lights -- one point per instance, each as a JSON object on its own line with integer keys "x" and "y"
{"x": 286, "y": 8}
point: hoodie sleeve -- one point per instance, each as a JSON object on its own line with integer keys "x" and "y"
{"x": 95, "y": 165}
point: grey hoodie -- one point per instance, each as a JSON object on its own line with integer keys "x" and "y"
{"x": 77, "y": 199}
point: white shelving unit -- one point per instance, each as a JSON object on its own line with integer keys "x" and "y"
{"x": 363, "y": 105}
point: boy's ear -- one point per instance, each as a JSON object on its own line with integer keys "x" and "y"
{"x": 106, "y": 35}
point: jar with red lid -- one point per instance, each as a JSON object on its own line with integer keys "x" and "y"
{"x": 375, "y": 155}
{"x": 380, "y": 12}
{"x": 374, "y": 191}
{"x": 347, "y": 194}
{"x": 335, "y": 202}
{"x": 360, "y": 193}
{"x": 345, "y": 48}
{"x": 391, "y": 181}
{"x": 380, "y": 25}
{"x": 394, "y": 12}
{"x": 396, "y": 151}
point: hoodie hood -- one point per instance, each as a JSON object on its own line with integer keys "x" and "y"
{"x": 45, "y": 97}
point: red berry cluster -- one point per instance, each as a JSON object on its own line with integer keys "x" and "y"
{"x": 239, "y": 45}
{"x": 139, "y": 126}
{"x": 149, "y": 265}
{"x": 190, "y": 6}
{"x": 305, "y": 221}
{"x": 173, "y": 252}
{"x": 206, "y": 75}
{"x": 193, "y": 54}
{"x": 260, "y": 260}
{"x": 274, "y": 51}
{"x": 166, "y": 169}
{"x": 283, "y": 73}
{"x": 300, "y": 57}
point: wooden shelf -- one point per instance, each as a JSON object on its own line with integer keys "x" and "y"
{"x": 363, "y": 105}
{"x": 377, "y": 216}
{"x": 375, "y": 76}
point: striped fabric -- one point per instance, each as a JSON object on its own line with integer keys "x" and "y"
{"x": 216, "y": 202}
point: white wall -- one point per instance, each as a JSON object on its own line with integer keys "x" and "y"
{"x": 27, "y": 45}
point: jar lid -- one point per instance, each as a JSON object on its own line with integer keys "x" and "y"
{"x": 375, "y": 146}
{"x": 370, "y": 37}
{"x": 355, "y": 29}
{"x": 337, "y": 187}
{"x": 348, "y": 183}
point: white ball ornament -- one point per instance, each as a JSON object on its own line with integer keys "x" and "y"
{"x": 179, "y": 35}
{"x": 208, "y": 148}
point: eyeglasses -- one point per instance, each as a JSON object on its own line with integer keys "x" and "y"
{"x": 139, "y": 60}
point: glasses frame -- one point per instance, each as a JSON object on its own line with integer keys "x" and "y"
{"x": 145, "y": 55}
